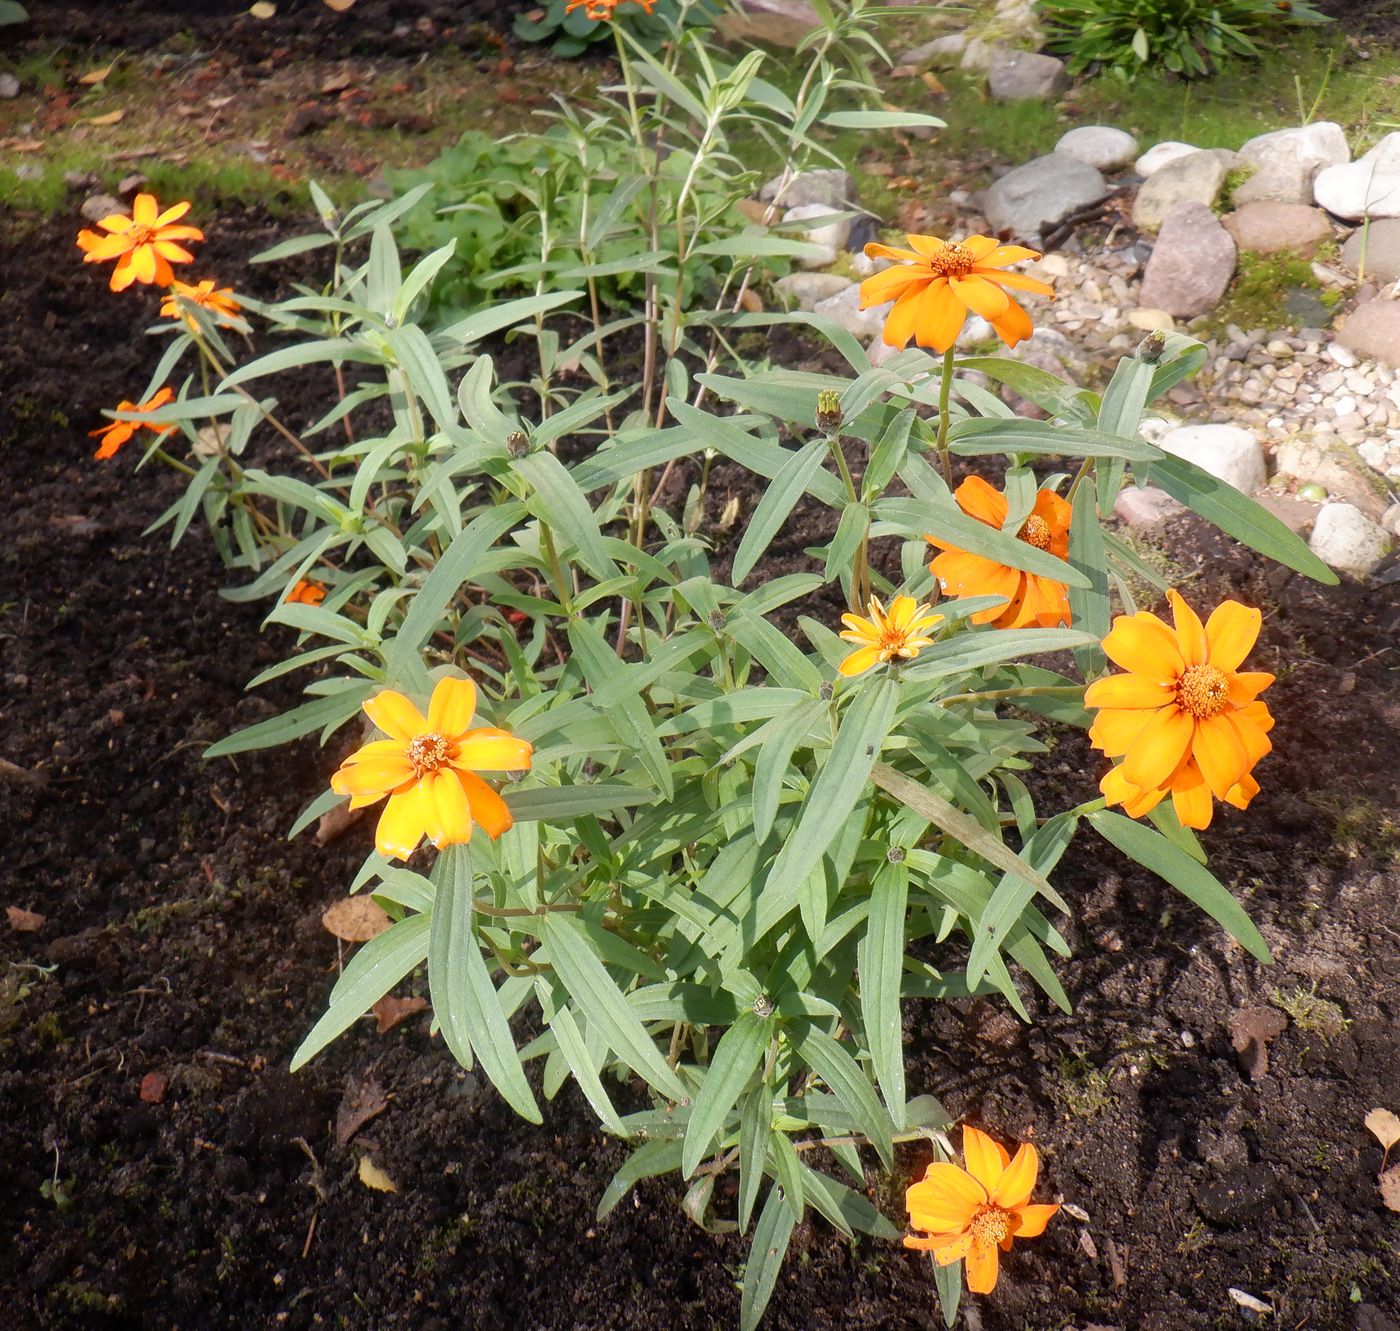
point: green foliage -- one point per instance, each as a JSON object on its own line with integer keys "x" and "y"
{"x": 12, "y": 12}
{"x": 570, "y": 31}
{"x": 1187, "y": 37}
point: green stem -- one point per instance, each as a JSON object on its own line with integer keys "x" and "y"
{"x": 989, "y": 695}
{"x": 944, "y": 390}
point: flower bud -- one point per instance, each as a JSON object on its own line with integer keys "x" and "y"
{"x": 895, "y": 854}
{"x": 763, "y": 1006}
{"x": 517, "y": 443}
{"x": 1151, "y": 347}
{"x": 715, "y": 619}
{"x": 826, "y": 690}
{"x": 828, "y": 411}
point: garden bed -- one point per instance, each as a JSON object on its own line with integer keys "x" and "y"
{"x": 163, "y": 1169}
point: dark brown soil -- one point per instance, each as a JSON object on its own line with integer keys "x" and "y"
{"x": 182, "y": 939}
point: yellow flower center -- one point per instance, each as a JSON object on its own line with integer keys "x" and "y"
{"x": 991, "y": 1224}
{"x": 951, "y": 261}
{"x": 1203, "y": 691}
{"x": 428, "y": 752}
{"x": 140, "y": 235}
{"x": 1036, "y": 532}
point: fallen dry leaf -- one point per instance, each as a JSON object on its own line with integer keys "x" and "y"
{"x": 363, "y": 1101}
{"x": 153, "y": 1087}
{"x": 340, "y": 6}
{"x": 1251, "y": 1029}
{"x": 933, "y": 83}
{"x": 390, "y": 1011}
{"x": 23, "y": 145}
{"x": 355, "y": 920}
{"x": 373, "y": 1177}
{"x": 23, "y": 921}
{"x": 751, "y": 301}
{"x": 336, "y": 822}
{"x": 1384, "y": 1127}
{"x": 95, "y": 76}
{"x": 111, "y": 118}
{"x": 337, "y": 82}
{"x": 262, "y": 9}
{"x": 1390, "y": 1187}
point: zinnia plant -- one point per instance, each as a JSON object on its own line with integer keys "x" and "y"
{"x": 732, "y": 839}
{"x": 143, "y": 244}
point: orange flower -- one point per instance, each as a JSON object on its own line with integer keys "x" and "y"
{"x": 884, "y": 636}
{"x": 218, "y": 301}
{"x": 1031, "y": 600}
{"x": 143, "y": 244}
{"x": 974, "y": 1213}
{"x": 305, "y": 593}
{"x": 939, "y": 281}
{"x": 600, "y": 10}
{"x": 427, "y": 768}
{"x": 1184, "y": 719}
{"x": 113, "y": 436}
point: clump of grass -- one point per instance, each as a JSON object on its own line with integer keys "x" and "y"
{"x": 1262, "y": 290}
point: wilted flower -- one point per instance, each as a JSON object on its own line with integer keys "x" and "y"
{"x": 113, "y": 436}
{"x": 1184, "y": 719}
{"x": 427, "y": 767}
{"x": 305, "y": 592}
{"x": 219, "y": 301}
{"x": 1032, "y": 600}
{"x": 143, "y": 244}
{"x": 898, "y": 632}
{"x": 939, "y": 281}
{"x": 975, "y": 1213}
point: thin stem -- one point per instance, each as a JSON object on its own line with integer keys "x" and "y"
{"x": 944, "y": 390}
{"x": 1049, "y": 690}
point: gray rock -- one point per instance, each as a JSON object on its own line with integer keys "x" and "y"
{"x": 1367, "y": 187}
{"x": 1195, "y": 178}
{"x": 1268, "y": 227}
{"x": 945, "y": 51}
{"x": 1371, "y": 1318}
{"x": 844, "y": 308}
{"x": 1227, "y": 452}
{"x": 1297, "y": 514}
{"x": 1334, "y": 467}
{"x": 1374, "y": 251}
{"x": 1100, "y": 146}
{"x": 1019, "y": 76}
{"x": 1145, "y": 509}
{"x": 828, "y": 186}
{"x": 806, "y": 290}
{"x": 1287, "y": 162}
{"x": 9, "y": 85}
{"x": 830, "y": 237}
{"x": 775, "y": 22}
{"x": 97, "y": 206}
{"x": 1160, "y": 155}
{"x": 1345, "y": 538}
{"x": 1372, "y": 330}
{"x": 1191, "y": 264}
{"x": 978, "y": 56}
{"x": 1040, "y": 193}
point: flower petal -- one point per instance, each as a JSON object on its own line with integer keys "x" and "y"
{"x": 489, "y": 749}
{"x": 1231, "y": 632}
{"x": 395, "y": 715}
{"x": 875, "y": 250}
{"x": 488, "y": 809}
{"x": 982, "y": 1262}
{"x": 1016, "y": 281}
{"x": 452, "y": 706}
{"x": 1144, "y": 645}
{"x": 985, "y": 1158}
{"x": 900, "y": 322}
{"x": 1164, "y": 742}
{"x": 1190, "y": 633}
{"x": 144, "y": 210}
{"x": 172, "y": 214}
{"x": 943, "y": 317}
{"x": 1247, "y": 685}
{"x": 1191, "y": 798}
{"x": 1014, "y": 325}
{"x": 947, "y": 1196}
{"x": 1114, "y": 732}
{"x": 1018, "y": 1180}
{"x": 948, "y": 1249}
{"x": 1129, "y": 691}
{"x": 1219, "y": 753}
{"x": 1030, "y": 1221}
{"x": 454, "y": 820}
{"x": 979, "y": 500}
{"x": 889, "y": 284}
{"x": 981, "y": 297}
{"x": 1002, "y": 256}
{"x": 402, "y": 824}
{"x": 1117, "y": 789}
{"x": 859, "y": 661}
{"x": 376, "y": 778}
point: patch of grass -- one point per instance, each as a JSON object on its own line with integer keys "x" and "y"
{"x": 1264, "y": 291}
{"x": 1310, "y": 1012}
{"x": 1363, "y": 827}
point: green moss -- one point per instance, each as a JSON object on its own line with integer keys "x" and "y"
{"x": 1265, "y": 294}
{"x": 1310, "y": 1012}
{"x": 1234, "y": 178}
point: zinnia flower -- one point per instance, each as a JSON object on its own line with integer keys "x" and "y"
{"x": 1184, "y": 719}
{"x": 143, "y": 244}
{"x": 939, "y": 281}
{"x": 427, "y": 768}
{"x": 305, "y": 592}
{"x": 219, "y": 301}
{"x": 886, "y": 635}
{"x": 117, "y": 433}
{"x": 1031, "y": 600}
{"x": 599, "y": 10}
{"x": 974, "y": 1213}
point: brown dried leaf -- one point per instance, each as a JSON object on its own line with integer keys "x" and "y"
{"x": 337, "y": 82}
{"x": 933, "y": 83}
{"x": 23, "y": 921}
{"x": 336, "y": 822}
{"x": 373, "y": 1177}
{"x": 340, "y": 6}
{"x": 263, "y": 10}
{"x": 1390, "y": 1187}
{"x": 95, "y": 76}
{"x": 1384, "y": 1127}
{"x": 355, "y": 920}
{"x": 111, "y": 118}
{"x": 1251, "y": 1029}
{"x": 363, "y": 1101}
{"x": 390, "y": 1011}
{"x": 751, "y": 301}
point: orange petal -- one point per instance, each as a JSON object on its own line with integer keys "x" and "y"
{"x": 1117, "y": 789}
{"x": 979, "y": 500}
{"x": 1144, "y": 645}
{"x": 1160, "y": 748}
{"x": 1115, "y": 732}
{"x": 144, "y": 209}
{"x": 874, "y": 250}
{"x": 1003, "y": 256}
{"x": 980, "y": 246}
{"x": 373, "y": 779}
{"x": 946, "y": 1196}
{"x": 901, "y": 321}
{"x": 942, "y": 315}
{"x": 889, "y": 284}
{"x": 1190, "y": 633}
{"x": 172, "y": 214}
{"x": 1219, "y": 753}
{"x": 1014, "y": 324}
{"x": 488, "y": 809}
{"x": 1191, "y": 799}
{"x": 402, "y": 824}
{"x": 1231, "y": 632}
{"x": 949, "y": 1249}
{"x": 1241, "y": 794}
{"x": 453, "y": 817}
{"x": 1251, "y": 734}
{"x": 985, "y": 1158}
{"x": 1015, "y": 281}
{"x": 1030, "y": 1221}
{"x": 452, "y": 706}
{"x": 927, "y": 247}
{"x": 981, "y": 297}
{"x": 1017, "y": 1182}
{"x": 1247, "y": 685}
{"x": 982, "y": 1261}
{"x": 1129, "y": 691}
{"x": 488, "y": 749}
{"x": 395, "y": 715}
{"x": 859, "y": 661}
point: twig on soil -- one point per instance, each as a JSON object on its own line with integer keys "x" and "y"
{"x": 30, "y": 776}
{"x": 1120, "y": 1277}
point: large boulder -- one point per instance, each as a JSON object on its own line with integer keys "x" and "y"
{"x": 1192, "y": 263}
{"x": 1040, "y": 193}
{"x": 1271, "y": 228}
{"x": 1101, "y": 146}
{"x": 830, "y": 236}
{"x": 1345, "y": 538}
{"x": 827, "y": 185}
{"x": 1372, "y": 330}
{"x": 1373, "y": 252}
{"x": 1287, "y": 162}
{"x": 1193, "y": 178}
{"x": 1160, "y": 155}
{"x": 1018, "y": 76}
{"x": 807, "y": 290}
{"x": 1367, "y": 187}
{"x": 783, "y": 23}
{"x": 1227, "y": 452}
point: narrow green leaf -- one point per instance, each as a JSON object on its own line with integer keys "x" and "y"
{"x": 755, "y": 1127}
{"x": 655, "y": 1157}
{"x": 770, "y": 1244}
{"x": 558, "y": 501}
{"x": 786, "y": 488}
{"x": 1088, "y": 606}
{"x": 849, "y": 1084}
{"x": 774, "y": 759}
{"x": 880, "y": 957}
{"x": 575, "y": 1052}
